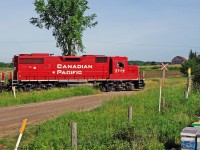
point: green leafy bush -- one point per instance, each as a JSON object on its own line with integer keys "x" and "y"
{"x": 194, "y": 63}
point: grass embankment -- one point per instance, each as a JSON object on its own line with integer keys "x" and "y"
{"x": 8, "y": 69}
{"x": 107, "y": 127}
{"x": 7, "y": 98}
{"x": 154, "y": 71}
{"x": 157, "y": 67}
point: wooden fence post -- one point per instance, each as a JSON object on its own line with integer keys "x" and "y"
{"x": 130, "y": 113}
{"x": 189, "y": 80}
{"x": 160, "y": 96}
{"x": 163, "y": 102}
{"x": 74, "y": 135}
{"x": 186, "y": 94}
{"x": 13, "y": 89}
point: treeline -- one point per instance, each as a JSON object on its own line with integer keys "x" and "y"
{"x": 145, "y": 63}
{"x": 6, "y": 65}
{"x": 194, "y": 63}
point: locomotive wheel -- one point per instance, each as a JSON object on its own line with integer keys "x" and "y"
{"x": 117, "y": 88}
{"x": 108, "y": 88}
{"x": 27, "y": 88}
{"x": 24, "y": 88}
{"x": 104, "y": 88}
{"x": 20, "y": 89}
{"x": 130, "y": 87}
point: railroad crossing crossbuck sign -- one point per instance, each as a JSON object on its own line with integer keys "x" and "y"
{"x": 164, "y": 66}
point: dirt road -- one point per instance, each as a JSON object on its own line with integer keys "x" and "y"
{"x": 12, "y": 117}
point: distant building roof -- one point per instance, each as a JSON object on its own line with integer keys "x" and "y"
{"x": 178, "y": 60}
{"x": 182, "y": 58}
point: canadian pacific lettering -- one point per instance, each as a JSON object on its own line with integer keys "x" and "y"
{"x": 63, "y": 69}
{"x": 60, "y": 66}
{"x": 68, "y": 72}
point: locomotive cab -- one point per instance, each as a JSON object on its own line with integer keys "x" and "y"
{"x": 122, "y": 76}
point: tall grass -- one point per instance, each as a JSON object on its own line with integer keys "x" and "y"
{"x": 157, "y": 67}
{"x": 7, "y": 99}
{"x": 4, "y": 69}
{"x": 107, "y": 127}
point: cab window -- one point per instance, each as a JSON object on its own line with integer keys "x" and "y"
{"x": 120, "y": 64}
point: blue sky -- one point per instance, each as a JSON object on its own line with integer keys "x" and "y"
{"x": 147, "y": 30}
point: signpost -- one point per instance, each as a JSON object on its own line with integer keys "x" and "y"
{"x": 21, "y": 133}
{"x": 188, "y": 84}
{"x": 160, "y": 97}
{"x": 189, "y": 79}
{"x": 163, "y": 68}
{"x": 14, "y": 93}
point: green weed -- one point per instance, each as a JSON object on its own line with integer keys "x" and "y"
{"x": 7, "y": 98}
{"x": 107, "y": 127}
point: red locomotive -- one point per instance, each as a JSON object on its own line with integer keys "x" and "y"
{"x": 41, "y": 70}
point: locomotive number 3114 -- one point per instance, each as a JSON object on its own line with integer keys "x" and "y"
{"x": 119, "y": 70}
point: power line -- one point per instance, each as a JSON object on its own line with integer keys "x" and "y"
{"x": 106, "y": 42}
{"x": 19, "y": 42}
{"x": 144, "y": 44}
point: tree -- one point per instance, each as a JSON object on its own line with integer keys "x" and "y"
{"x": 67, "y": 19}
{"x": 194, "y": 63}
{"x": 190, "y": 63}
{"x": 192, "y": 54}
{"x": 196, "y": 72}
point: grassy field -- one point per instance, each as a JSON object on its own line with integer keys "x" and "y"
{"x": 7, "y": 98}
{"x": 154, "y": 71}
{"x": 158, "y": 74}
{"x": 6, "y": 69}
{"x": 157, "y": 67}
{"x": 107, "y": 127}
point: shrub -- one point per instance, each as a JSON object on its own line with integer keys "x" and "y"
{"x": 194, "y": 63}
